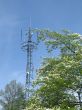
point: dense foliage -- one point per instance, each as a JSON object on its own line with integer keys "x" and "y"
{"x": 60, "y": 78}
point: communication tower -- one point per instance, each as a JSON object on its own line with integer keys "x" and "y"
{"x": 28, "y": 46}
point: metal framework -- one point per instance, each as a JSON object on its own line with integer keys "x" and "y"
{"x": 28, "y": 46}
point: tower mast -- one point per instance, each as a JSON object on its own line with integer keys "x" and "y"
{"x": 28, "y": 45}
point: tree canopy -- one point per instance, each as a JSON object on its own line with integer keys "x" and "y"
{"x": 60, "y": 78}
{"x": 12, "y": 97}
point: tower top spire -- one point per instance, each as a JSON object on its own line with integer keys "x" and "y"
{"x": 30, "y": 22}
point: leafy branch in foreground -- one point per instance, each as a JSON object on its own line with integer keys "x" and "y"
{"x": 60, "y": 78}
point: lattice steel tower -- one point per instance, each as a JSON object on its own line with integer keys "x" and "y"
{"x": 28, "y": 46}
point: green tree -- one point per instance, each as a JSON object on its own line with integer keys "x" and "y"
{"x": 60, "y": 78}
{"x": 12, "y": 97}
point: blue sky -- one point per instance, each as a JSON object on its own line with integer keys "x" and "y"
{"x": 15, "y": 14}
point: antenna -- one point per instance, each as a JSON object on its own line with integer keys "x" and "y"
{"x": 28, "y": 46}
{"x": 21, "y": 34}
{"x": 30, "y": 21}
